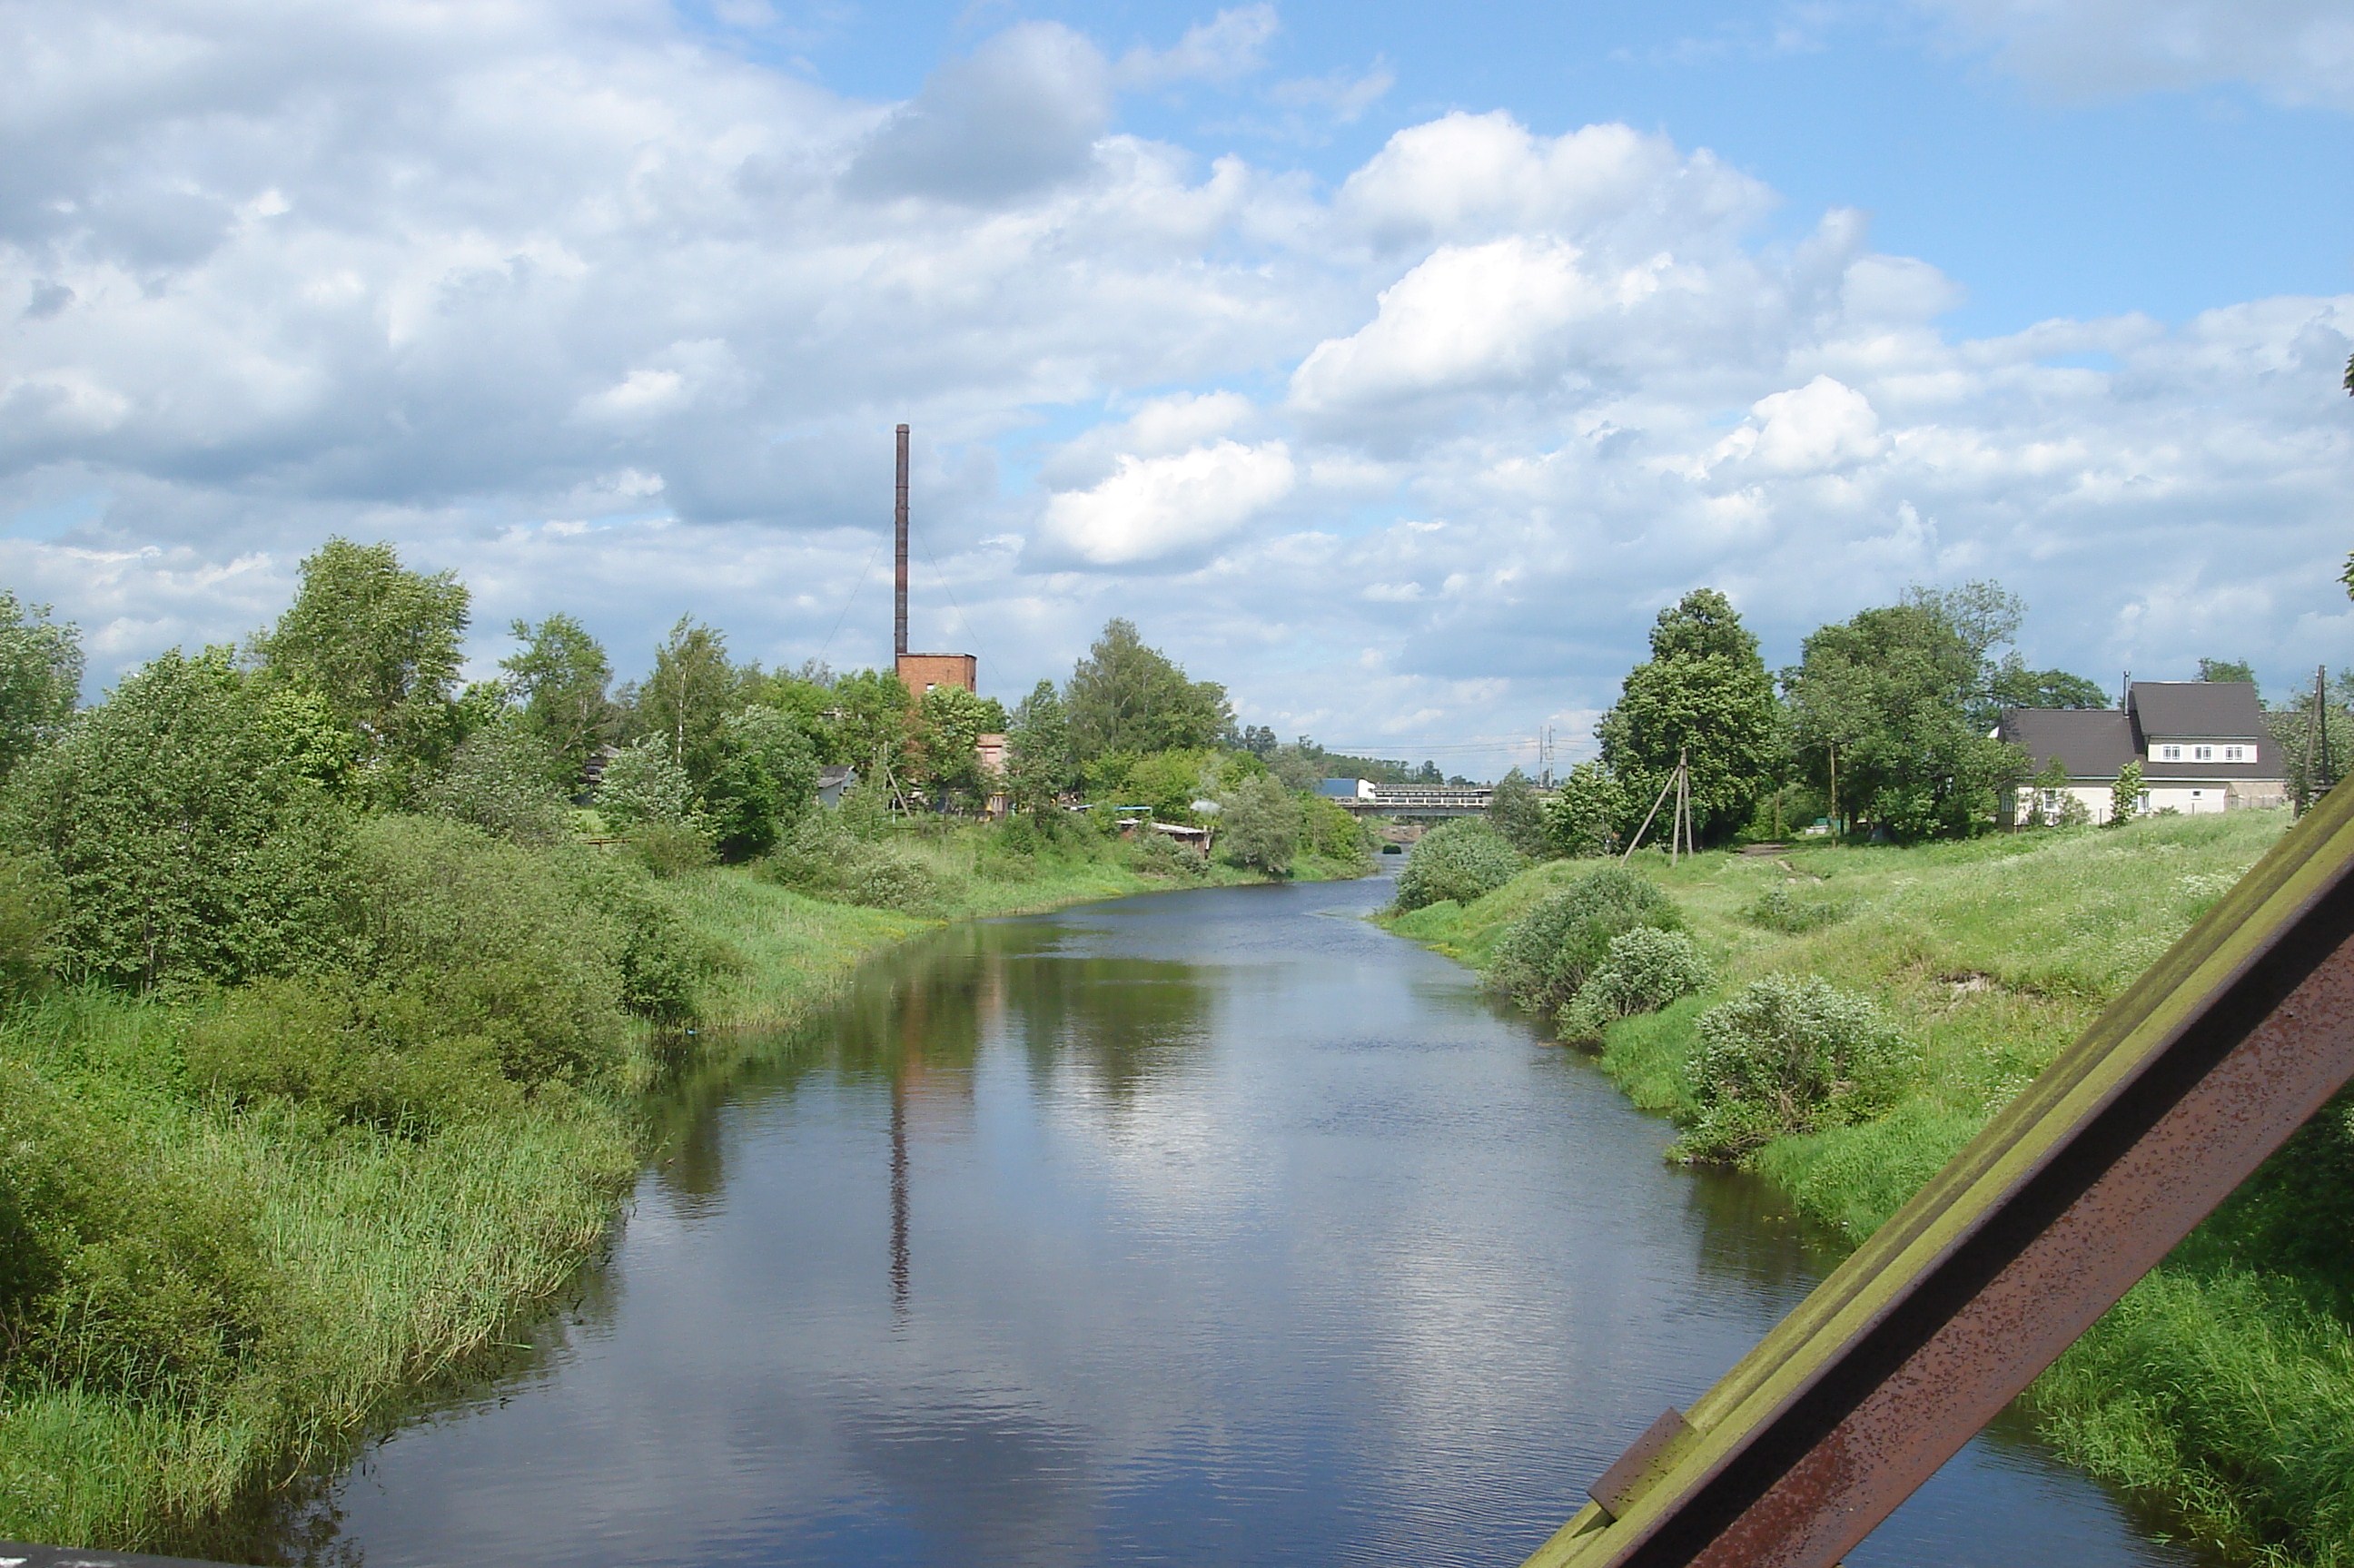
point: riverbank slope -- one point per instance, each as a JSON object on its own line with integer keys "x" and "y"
{"x": 2222, "y": 1387}
{"x": 256, "y": 1280}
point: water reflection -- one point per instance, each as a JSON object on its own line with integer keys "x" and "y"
{"x": 1209, "y": 1228}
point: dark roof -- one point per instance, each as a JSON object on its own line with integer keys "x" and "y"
{"x": 2199, "y": 710}
{"x": 2090, "y": 743}
{"x": 2095, "y": 743}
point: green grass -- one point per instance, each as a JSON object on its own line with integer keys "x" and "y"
{"x": 2223, "y": 1388}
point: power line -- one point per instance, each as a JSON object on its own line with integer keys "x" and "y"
{"x": 864, "y": 573}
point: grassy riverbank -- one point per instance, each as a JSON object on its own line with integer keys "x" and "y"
{"x": 241, "y": 1276}
{"x": 2223, "y": 1386}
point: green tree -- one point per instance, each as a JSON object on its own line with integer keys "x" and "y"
{"x": 2015, "y": 685}
{"x": 764, "y": 784}
{"x": 1259, "y": 825}
{"x": 499, "y": 781}
{"x": 1039, "y": 766}
{"x": 688, "y": 697}
{"x": 872, "y": 728}
{"x": 40, "y": 678}
{"x": 1884, "y": 719}
{"x": 1704, "y": 695}
{"x": 560, "y": 678}
{"x": 2227, "y": 670}
{"x": 380, "y": 645}
{"x": 1580, "y": 821}
{"x": 642, "y": 785}
{"x": 2125, "y": 795}
{"x": 1519, "y": 813}
{"x": 950, "y": 723}
{"x": 190, "y": 844}
{"x": 1125, "y": 696}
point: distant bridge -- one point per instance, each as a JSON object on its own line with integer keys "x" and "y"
{"x": 1432, "y": 800}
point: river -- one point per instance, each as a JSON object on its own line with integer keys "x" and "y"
{"x": 1211, "y": 1227}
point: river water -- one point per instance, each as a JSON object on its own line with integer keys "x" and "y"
{"x": 1212, "y": 1227}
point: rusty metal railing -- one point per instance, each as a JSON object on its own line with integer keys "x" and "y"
{"x": 2226, "y": 1047}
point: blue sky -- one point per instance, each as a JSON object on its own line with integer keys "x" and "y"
{"x": 2046, "y": 198}
{"x": 1392, "y": 364}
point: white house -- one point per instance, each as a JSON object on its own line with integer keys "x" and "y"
{"x": 2202, "y": 747}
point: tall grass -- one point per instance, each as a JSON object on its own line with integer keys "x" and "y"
{"x": 2222, "y": 1387}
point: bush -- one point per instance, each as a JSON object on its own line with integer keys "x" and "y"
{"x": 1644, "y": 969}
{"x": 117, "y": 1270}
{"x": 1158, "y": 855}
{"x": 383, "y": 1056}
{"x": 30, "y": 902}
{"x": 1777, "y": 910}
{"x": 1546, "y": 956}
{"x": 1788, "y": 1055}
{"x": 1578, "y": 821}
{"x": 187, "y": 841}
{"x": 487, "y": 938}
{"x": 824, "y": 861}
{"x": 644, "y": 783}
{"x": 499, "y": 781}
{"x": 1460, "y": 860}
{"x": 1259, "y": 825}
{"x": 670, "y": 849}
{"x": 1335, "y": 832}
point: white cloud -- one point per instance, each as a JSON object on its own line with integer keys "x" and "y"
{"x": 1824, "y": 424}
{"x": 614, "y": 322}
{"x": 2294, "y": 51}
{"x": 1153, "y": 508}
{"x": 1229, "y": 45}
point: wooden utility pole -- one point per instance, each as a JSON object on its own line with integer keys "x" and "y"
{"x": 2317, "y": 733}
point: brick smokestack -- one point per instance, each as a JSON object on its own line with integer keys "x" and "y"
{"x": 899, "y": 554}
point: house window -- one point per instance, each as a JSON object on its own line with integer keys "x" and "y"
{"x": 2235, "y": 754}
{"x": 2170, "y": 754}
{"x": 2202, "y": 754}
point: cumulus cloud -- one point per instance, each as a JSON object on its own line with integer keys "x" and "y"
{"x": 1021, "y": 114}
{"x": 2294, "y": 51}
{"x": 611, "y": 322}
{"x": 1152, "y": 508}
{"x": 1825, "y": 424}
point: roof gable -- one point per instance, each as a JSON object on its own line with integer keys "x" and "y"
{"x": 2197, "y": 710}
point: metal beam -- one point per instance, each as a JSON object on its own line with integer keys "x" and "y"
{"x": 2178, "y": 1090}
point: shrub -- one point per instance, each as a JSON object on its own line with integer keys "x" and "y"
{"x": 644, "y": 783}
{"x": 1578, "y": 821}
{"x": 1519, "y": 816}
{"x": 1158, "y": 855}
{"x": 766, "y": 782}
{"x": 1258, "y": 825}
{"x": 384, "y": 1057}
{"x": 824, "y": 861}
{"x": 1459, "y": 860}
{"x": 670, "y": 849}
{"x": 489, "y": 940}
{"x": 1546, "y": 955}
{"x": 1646, "y": 969}
{"x": 117, "y": 1270}
{"x": 187, "y": 843}
{"x": 1788, "y": 1055}
{"x": 1335, "y": 832}
{"x": 499, "y": 781}
{"x": 1777, "y": 910}
{"x": 30, "y": 902}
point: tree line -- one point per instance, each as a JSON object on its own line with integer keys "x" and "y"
{"x": 1884, "y": 726}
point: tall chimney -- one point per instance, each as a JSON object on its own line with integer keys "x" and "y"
{"x": 899, "y": 554}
